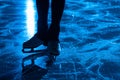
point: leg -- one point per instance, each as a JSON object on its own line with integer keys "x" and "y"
{"x": 53, "y": 32}
{"x": 57, "y": 11}
{"x": 42, "y": 26}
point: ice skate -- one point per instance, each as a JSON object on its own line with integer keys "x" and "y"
{"x": 32, "y": 43}
{"x": 54, "y": 47}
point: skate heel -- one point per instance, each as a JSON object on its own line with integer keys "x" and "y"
{"x": 52, "y": 59}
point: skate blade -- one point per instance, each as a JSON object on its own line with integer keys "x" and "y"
{"x": 27, "y": 50}
{"x": 31, "y": 50}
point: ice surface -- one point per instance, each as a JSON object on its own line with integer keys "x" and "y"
{"x": 90, "y": 40}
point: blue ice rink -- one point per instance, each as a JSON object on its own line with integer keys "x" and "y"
{"x": 90, "y": 40}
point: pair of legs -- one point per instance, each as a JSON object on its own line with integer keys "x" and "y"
{"x": 47, "y": 36}
{"x": 57, "y": 7}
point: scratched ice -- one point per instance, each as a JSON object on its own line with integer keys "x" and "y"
{"x": 90, "y": 39}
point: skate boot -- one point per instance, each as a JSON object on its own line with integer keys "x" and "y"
{"x": 32, "y": 43}
{"x": 54, "y": 48}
